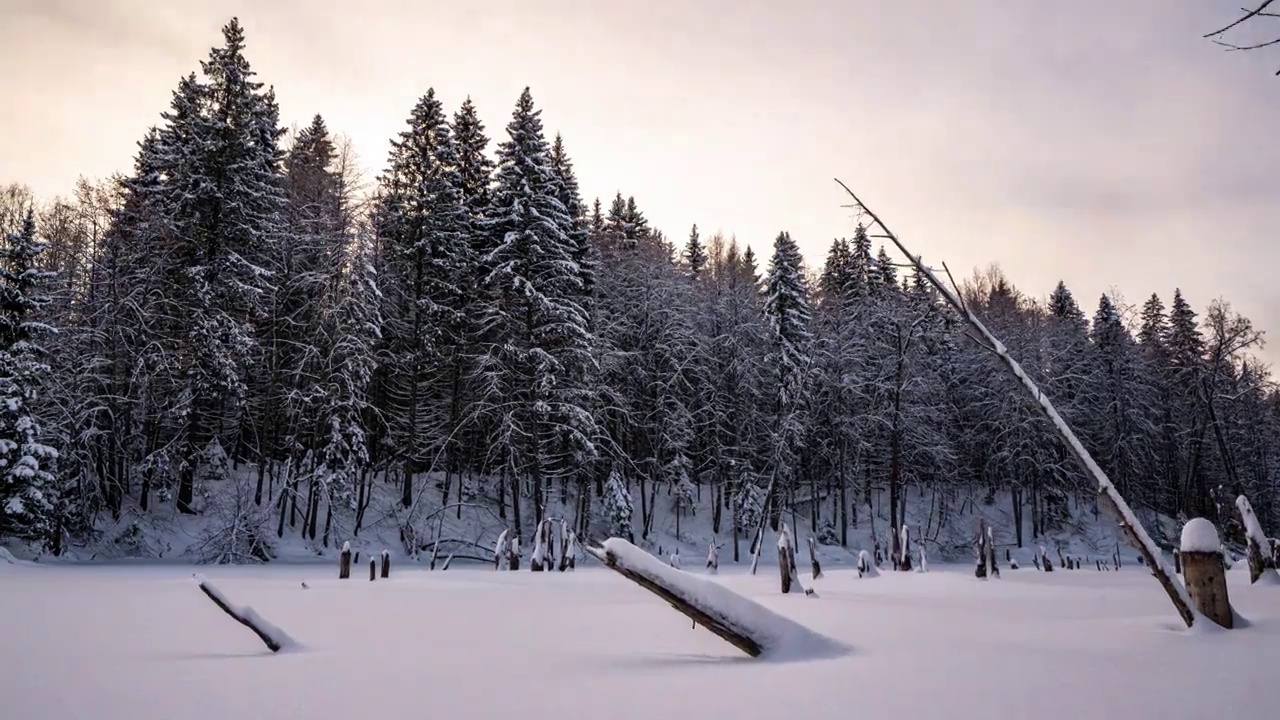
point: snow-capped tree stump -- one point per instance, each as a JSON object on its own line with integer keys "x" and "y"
{"x": 500, "y": 551}
{"x": 540, "y": 538}
{"x": 713, "y": 558}
{"x": 386, "y": 564}
{"x": 1202, "y": 567}
{"x": 273, "y": 637}
{"x": 784, "y": 562}
{"x": 980, "y": 551}
{"x": 344, "y": 562}
{"x": 787, "y": 563}
{"x": 903, "y": 561}
{"x": 1259, "y": 552}
{"x": 813, "y": 558}
{"x": 513, "y": 554}
{"x": 373, "y": 569}
{"x": 569, "y": 554}
{"x": 866, "y": 568}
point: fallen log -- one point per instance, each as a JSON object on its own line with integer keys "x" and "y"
{"x": 743, "y": 623}
{"x": 274, "y": 638}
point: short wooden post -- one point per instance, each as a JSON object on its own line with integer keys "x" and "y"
{"x": 1202, "y": 567}
{"x": 813, "y": 557}
{"x": 344, "y": 562}
{"x": 386, "y": 564}
{"x": 513, "y": 554}
{"x": 1258, "y": 551}
{"x": 904, "y": 561}
{"x": 373, "y": 569}
{"x": 784, "y": 564}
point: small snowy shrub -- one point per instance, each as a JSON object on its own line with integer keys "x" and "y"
{"x": 617, "y": 505}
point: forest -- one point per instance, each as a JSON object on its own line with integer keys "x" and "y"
{"x": 244, "y": 325}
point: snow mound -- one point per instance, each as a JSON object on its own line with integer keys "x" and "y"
{"x": 780, "y": 638}
{"x": 7, "y": 557}
{"x": 1199, "y": 535}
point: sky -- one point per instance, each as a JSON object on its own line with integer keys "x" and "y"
{"x": 1105, "y": 143}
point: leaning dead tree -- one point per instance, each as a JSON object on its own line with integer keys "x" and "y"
{"x": 1247, "y": 20}
{"x": 1108, "y": 496}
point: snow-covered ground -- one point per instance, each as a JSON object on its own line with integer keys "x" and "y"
{"x": 142, "y": 642}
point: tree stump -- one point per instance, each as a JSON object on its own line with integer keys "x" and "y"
{"x": 784, "y": 567}
{"x": 386, "y": 564}
{"x": 513, "y": 554}
{"x": 813, "y": 558}
{"x": 1203, "y": 571}
{"x": 1259, "y": 552}
{"x": 344, "y": 562}
{"x": 373, "y": 569}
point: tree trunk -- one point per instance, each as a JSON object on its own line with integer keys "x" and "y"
{"x": 1207, "y": 583}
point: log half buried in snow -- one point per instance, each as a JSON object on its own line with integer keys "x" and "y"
{"x": 275, "y": 638}
{"x": 743, "y": 623}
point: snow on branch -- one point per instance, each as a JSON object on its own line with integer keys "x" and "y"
{"x": 1109, "y": 496}
{"x": 275, "y": 638}
{"x": 747, "y": 625}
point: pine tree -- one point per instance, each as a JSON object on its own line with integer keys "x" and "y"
{"x": 27, "y": 483}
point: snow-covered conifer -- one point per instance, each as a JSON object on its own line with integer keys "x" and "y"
{"x": 27, "y": 483}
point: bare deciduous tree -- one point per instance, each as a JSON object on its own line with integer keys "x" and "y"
{"x": 1248, "y": 19}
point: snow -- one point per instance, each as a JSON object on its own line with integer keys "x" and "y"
{"x": 1199, "y": 535}
{"x": 780, "y": 638}
{"x": 1059, "y": 646}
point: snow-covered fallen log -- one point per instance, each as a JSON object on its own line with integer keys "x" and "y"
{"x": 745, "y": 624}
{"x": 275, "y": 638}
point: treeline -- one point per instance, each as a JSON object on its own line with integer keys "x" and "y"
{"x": 238, "y": 312}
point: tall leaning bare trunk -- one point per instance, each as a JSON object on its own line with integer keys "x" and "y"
{"x": 1108, "y": 496}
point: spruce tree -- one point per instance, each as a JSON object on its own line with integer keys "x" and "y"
{"x": 786, "y": 306}
{"x": 27, "y": 483}
{"x": 424, "y": 229}
{"x": 536, "y": 338}
{"x": 220, "y": 205}
{"x": 694, "y": 255}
